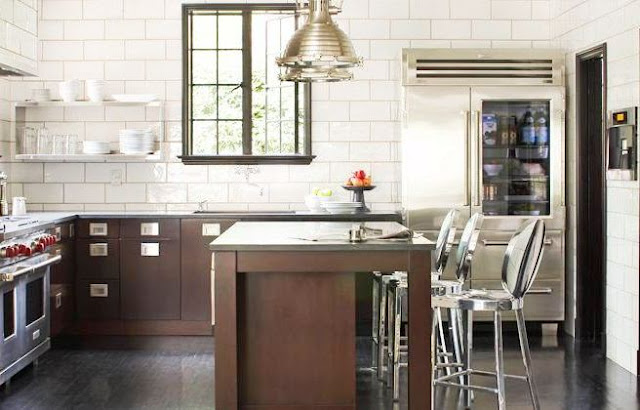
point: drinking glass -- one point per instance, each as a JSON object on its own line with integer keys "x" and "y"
{"x": 27, "y": 143}
{"x": 44, "y": 143}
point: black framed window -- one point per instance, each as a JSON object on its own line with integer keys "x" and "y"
{"x": 235, "y": 109}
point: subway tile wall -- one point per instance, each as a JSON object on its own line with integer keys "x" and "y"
{"x": 579, "y": 25}
{"x": 135, "y": 45}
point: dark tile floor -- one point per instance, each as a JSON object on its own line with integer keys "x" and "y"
{"x": 178, "y": 374}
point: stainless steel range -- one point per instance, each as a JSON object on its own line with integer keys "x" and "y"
{"x": 24, "y": 292}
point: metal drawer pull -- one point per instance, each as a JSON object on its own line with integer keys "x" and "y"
{"x": 210, "y": 229}
{"x": 58, "y": 233}
{"x": 98, "y": 229}
{"x": 72, "y": 231}
{"x": 149, "y": 229}
{"x": 150, "y": 249}
{"x": 99, "y": 290}
{"x": 99, "y": 249}
{"x": 540, "y": 291}
{"x": 486, "y": 242}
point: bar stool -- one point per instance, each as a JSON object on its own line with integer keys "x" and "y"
{"x": 444, "y": 244}
{"x": 397, "y": 290}
{"x": 519, "y": 269}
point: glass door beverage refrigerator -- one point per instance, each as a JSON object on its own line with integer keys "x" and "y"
{"x": 483, "y": 131}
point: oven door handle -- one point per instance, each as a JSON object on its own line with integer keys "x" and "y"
{"x": 486, "y": 242}
{"x": 30, "y": 266}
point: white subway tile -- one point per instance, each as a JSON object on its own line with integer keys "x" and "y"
{"x": 124, "y": 70}
{"x": 83, "y": 70}
{"x": 370, "y": 151}
{"x": 531, "y": 30}
{"x": 451, "y": 29}
{"x": 291, "y": 192}
{"x": 83, "y": 30}
{"x": 54, "y": 172}
{"x": 470, "y": 9}
{"x": 84, "y": 193}
{"x": 126, "y": 193}
{"x": 389, "y": 9}
{"x": 143, "y": 9}
{"x": 25, "y": 17}
{"x": 491, "y": 29}
{"x": 101, "y": 9}
{"x": 186, "y": 173}
{"x": 372, "y": 70}
{"x": 173, "y": 9}
{"x": 26, "y": 172}
{"x": 330, "y": 111}
{"x": 370, "y": 111}
{"x": 141, "y": 172}
{"x": 349, "y": 91}
{"x": 104, "y": 50}
{"x": 164, "y": 29}
{"x": 164, "y": 70}
{"x": 124, "y": 29}
{"x": 62, "y": 10}
{"x": 241, "y": 192}
{"x": 62, "y": 50}
{"x": 429, "y": 9}
{"x": 104, "y": 172}
{"x": 167, "y": 193}
{"x": 145, "y": 50}
{"x": 541, "y": 10}
{"x": 207, "y": 192}
{"x": 50, "y": 30}
{"x": 369, "y": 29}
{"x": 331, "y": 151}
{"x": 314, "y": 172}
{"x": 43, "y": 193}
{"x": 385, "y": 90}
{"x": 124, "y": 113}
{"x": 51, "y": 70}
{"x": 511, "y": 9}
{"x": 350, "y": 131}
{"x": 388, "y": 49}
{"x": 410, "y": 29}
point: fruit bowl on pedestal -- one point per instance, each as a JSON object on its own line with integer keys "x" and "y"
{"x": 357, "y": 194}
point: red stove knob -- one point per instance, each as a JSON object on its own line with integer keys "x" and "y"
{"x": 26, "y": 251}
{"x": 21, "y": 247}
{"x": 12, "y": 251}
{"x": 54, "y": 239}
{"x": 40, "y": 247}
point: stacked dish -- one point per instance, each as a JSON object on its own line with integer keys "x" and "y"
{"x": 96, "y": 90}
{"x": 134, "y": 141}
{"x": 338, "y": 207}
{"x": 95, "y": 147}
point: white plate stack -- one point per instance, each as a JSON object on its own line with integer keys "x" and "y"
{"x": 96, "y": 90}
{"x": 338, "y": 207}
{"x": 138, "y": 142}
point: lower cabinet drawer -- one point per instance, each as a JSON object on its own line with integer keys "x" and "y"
{"x": 544, "y": 302}
{"x": 98, "y": 258}
{"x": 98, "y": 299}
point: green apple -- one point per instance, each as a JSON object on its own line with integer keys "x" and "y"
{"x": 325, "y": 192}
{"x": 315, "y": 191}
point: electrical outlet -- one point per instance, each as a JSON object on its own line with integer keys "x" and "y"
{"x": 116, "y": 177}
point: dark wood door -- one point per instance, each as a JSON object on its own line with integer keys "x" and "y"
{"x": 591, "y": 195}
{"x": 98, "y": 258}
{"x": 150, "y": 285}
{"x": 196, "y": 263}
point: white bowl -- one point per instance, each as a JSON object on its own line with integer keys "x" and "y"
{"x": 492, "y": 169}
{"x": 95, "y": 147}
{"x": 41, "y": 94}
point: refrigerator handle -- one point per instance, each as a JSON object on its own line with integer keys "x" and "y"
{"x": 478, "y": 145}
{"x": 467, "y": 131}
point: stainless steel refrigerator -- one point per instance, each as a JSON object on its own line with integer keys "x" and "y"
{"x": 483, "y": 131}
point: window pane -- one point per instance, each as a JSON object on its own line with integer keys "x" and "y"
{"x": 273, "y": 137}
{"x": 288, "y": 142}
{"x": 204, "y": 138}
{"x": 230, "y": 103}
{"x": 230, "y": 32}
{"x": 204, "y": 67}
{"x": 204, "y": 103}
{"x": 204, "y": 32}
{"x": 230, "y": 137}
{"x": 230, "y": 67}
{"x": 287, "y": 102}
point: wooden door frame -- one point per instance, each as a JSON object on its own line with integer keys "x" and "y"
{"x": 583, "y": 305}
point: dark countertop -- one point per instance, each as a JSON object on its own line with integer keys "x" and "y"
{"x": 308, "y": 236}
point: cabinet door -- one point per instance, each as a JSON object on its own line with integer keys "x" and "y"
{"x": 98, "y": 299}
{"x": 64, "y": 272}
{"x": 150, "y": 279}
{"x": 98, "y": 258}
{"x": 196, "y": 264}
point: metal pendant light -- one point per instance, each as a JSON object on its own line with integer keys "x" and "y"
{"x": 319, "y": 50}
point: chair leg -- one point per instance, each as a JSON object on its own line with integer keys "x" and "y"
{"x": 500, "y": 378}
{"x": 382, "y": 333}
{"x": 375, "y": 320}
{"x": 467, "y": 394}
{"x": 434, "y": 355}
{"x": 443, "y": 340}
{"x": 526, "y": 358}
{"x": 397, "y": 326}
{"x": 455, "y": 334}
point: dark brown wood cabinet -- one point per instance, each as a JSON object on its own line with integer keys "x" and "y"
{"x": 62, "y": 277}
{"x": 98, "y": 258}
{"x": 196, "y": 266}
{"x": 98, "y": 228}
{"x": 98, "y": 299}
{"x": 150, "y": 279}
{"x": 150, "y": 228}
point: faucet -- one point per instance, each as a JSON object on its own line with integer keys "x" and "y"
{"x": 201, "y": 205}
{"x": 247, "y": 171}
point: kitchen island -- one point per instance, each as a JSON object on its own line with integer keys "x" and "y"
{"x": 285, "y": 313}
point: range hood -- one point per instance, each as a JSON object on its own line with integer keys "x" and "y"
{"x": 15, "y": 65}
{"x": 319, "y": 50}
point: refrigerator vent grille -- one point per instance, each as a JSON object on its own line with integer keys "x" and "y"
{"x": 425, "y": 69}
